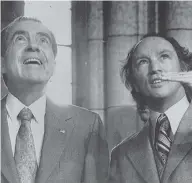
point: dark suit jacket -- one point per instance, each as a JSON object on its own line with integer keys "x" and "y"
{"x": 132, "y": 161}
{"x": 74, "y": 148}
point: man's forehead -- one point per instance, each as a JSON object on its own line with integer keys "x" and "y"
{"x": 29, "y": 26}
{"x": 155, "y": 44}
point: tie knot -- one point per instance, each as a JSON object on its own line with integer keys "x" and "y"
{"x": 163, "y": 122}
{"x": 25, "y": 114}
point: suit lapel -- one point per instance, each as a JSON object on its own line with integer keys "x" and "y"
{"x": 182, "y": 143}
{"x": 57, "y": 133}
{"x": 8, "y": 167}
{"x": 140, "y": 152}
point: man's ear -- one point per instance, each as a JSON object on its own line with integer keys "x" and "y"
{"x": 3, "y": 68}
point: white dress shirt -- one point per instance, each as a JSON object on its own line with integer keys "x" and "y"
{"x": 175, "y": 113}
{"x": 14, "y": 106}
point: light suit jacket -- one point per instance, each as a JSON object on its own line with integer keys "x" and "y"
{"x": 133, "y": 161}
{"x": 74, "y": 148}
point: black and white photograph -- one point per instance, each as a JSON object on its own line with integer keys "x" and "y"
{"x": 96, "y": 91}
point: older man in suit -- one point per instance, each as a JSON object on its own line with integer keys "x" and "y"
{"x": 162, "y": 151}
{"x": 40, "y": 141}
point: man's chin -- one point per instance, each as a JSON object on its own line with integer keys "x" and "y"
{"x": 158, "y": 95}
{"x": 35, "y": 80}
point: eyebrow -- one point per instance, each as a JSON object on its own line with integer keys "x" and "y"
{"x": 165, "y": 50}
{"x": 44, "y": 34}
{"x": 141, "y": 56}
{"x": 18, "y": 32}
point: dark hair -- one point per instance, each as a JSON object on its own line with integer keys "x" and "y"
{"x": 126, "y": 73}
{"x": 6, "y": 31}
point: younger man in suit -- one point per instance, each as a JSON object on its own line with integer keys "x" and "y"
{"x": 162, "y": 151}
{"x": 40, "y": 141}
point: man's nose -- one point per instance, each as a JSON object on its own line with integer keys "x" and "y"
{"x": 32, "y": 46}
{"x": 155, "y": 66}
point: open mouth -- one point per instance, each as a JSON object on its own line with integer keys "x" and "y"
{"x": 32, "y": 61}
{"x": 156, "y": 81}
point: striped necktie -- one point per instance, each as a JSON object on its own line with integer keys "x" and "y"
{"x": 25, "y": 156}
{"x": 163, "y": 140}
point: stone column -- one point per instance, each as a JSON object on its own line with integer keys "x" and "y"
{"x": 88, "y": 70}
{"x": 80, "y": 70}
{"x": 95, "y": 57}
{"x": 178, "y": 21}
{"x": 125, "y": 23}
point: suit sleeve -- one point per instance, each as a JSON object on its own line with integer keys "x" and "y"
{"x": 97, "y": 156}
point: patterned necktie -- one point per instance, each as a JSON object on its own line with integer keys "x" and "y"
{"x": 163, "y": 140}
{"x": 25, "y": 157}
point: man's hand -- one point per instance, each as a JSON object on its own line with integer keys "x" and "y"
{"x": 183, "y": 77}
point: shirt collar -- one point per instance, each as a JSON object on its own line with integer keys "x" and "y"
{"x": 14, "y": 106}
{"x": 38, "y": 108}
{"x": 174, "y": 114}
